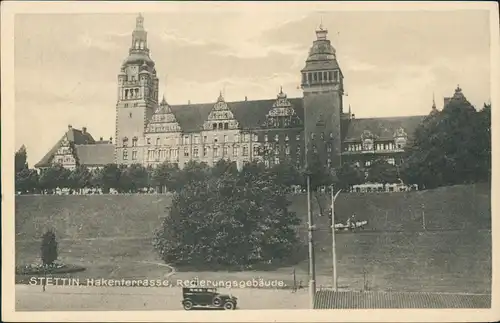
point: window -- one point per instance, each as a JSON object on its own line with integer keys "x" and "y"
{"x": 255, "y": 137}
{"x": 235, "y": 151}
{"x": 266, "y": 138}
{"x": 205, "y": 151}
{"x": 286, "y": 138}
{"x": 236, "y": 138}
{"x": 216, "y": 152}
{"x": 149, "y": 141}
{"x": 225, "y": 151}
{"x": 276, "y": 160}
{"x": 226, "y": 126}
{"x": 186, "y": 140}
{"x": 134, "y": 155}
{"x": 157, "y": 141}
{"x": 196, "y": 139}
{"x": 297, "y": 137}
{"x": 245, "y": 151}
{"x": 195, "y": 152}
{"x": 126, "y": 106}
{"x": 276, "y": 138}
{"x": 256, "y": 151}
{"x": 391, "y": 161}
{"x": 246, "y": 137}
{"x": 329, "y": 147}
{"x": 226, "y": 138}
{"x": 315, "y": 150}
{"x": 313, "y": 135}
{"x": 329, "y": 163}
{"x": 330, "y": 76}
{"x": 266, "y": 163}
{"x": 322, "y": 136}
{"x": 287, "y": 150}
{"x": 214, "y": 126}
{"x": 130, "y": 115}
{"x": 136, "y": 105}
{"x": 277, "y": 150}
{"x": 125, "y": 154}
{"x": 368, "y": 163}
{"x": 204, "y": 139}
{"x": 125, "y": 142}
{"x": 134, "y": 142}
{"x": 186, "y": 152}
{"x": 216, "y": 139}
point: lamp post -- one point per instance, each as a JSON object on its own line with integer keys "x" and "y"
{"x": 312, "y": 269}
{"x": 334, "y": 249}
{"x": 310, "y": 228}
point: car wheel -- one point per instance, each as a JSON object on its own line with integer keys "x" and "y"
{"x": 217, "y": 301}
{"x": 229, "y": 306}
{"x": 188, "y": 305}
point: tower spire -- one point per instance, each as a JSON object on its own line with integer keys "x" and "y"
{"x": 139, "y": 22}
{"x": 433, "y": 102}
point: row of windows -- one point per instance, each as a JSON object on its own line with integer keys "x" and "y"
{"x": 368, "y": 145}
{"x": 320, "y": 76}
{"x": 226, "y": 138}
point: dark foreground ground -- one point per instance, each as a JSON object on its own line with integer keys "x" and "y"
{"x": 452, "y": 262}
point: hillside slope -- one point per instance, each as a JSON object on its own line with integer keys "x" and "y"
{"x": 136, "y": 216}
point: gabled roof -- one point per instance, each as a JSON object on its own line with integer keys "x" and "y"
{"x": 96, "y": 154}
{"x": 250, "y": 114}
{"x": 74, "y": 136}
{"x": 382, "y": 128}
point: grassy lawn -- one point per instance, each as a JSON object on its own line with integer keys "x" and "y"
{"x": 111, "y": 237}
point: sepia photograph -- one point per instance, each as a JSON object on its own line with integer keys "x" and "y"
{"x": 217, "y": 159}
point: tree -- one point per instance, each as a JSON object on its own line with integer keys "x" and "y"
{"x": 80, "y": 178}
{"x": 53, "y": 177}
{"x": 224, "y": 167}
{"x": 21, "y": 158}
{"x": 228, "y": 220}
{"x": 286, "y": 174}
{"x": 27, "y": 181}
{"x": 382, "y": 172}
{"x": 349, "y": 175}
{"x": 109, "y": 177}
{"x": 450, "y": 147}
{"x": 133, "y": 178}
{"x": 49, "y": 248}
{"x": 193, "y": 171}
{"x": 166, "y": 176}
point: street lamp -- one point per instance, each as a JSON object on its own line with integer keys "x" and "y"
{"x": 334, "y": 249}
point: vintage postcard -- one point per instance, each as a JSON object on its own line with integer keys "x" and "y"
{"x": 249, "y": 161}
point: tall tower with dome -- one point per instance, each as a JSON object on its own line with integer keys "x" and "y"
{"x": 137, "y": 97}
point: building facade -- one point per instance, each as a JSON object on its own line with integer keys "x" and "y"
{"x": 151, "y": 132}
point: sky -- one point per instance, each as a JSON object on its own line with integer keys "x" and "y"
{"x": 66, "y": 65}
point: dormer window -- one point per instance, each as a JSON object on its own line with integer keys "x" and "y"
{"x": 134, "y": 142}
{"x": 125, "y": 142}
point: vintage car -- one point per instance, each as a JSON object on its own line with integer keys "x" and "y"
{"x": 193, "y": 297}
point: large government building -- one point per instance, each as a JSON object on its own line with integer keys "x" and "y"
{"x": 149, "y": 131}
